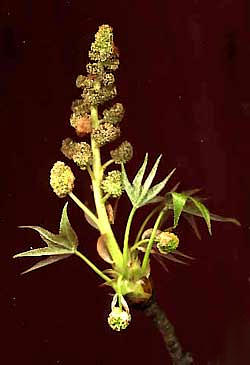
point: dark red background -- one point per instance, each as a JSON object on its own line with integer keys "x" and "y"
{"x": 184, "y": 80}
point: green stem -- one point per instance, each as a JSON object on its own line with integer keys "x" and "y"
{"x": 126, "y": 236}
{"x": 106, "y": 164}
{"x": 104, "y": 224}
{"x": 90, "y": 172}
{"x": 93, "y": 267}
{"x": 84, "y": 208}
{"x": 145, "y": 223}
{"x": 151, "y": 241}
{"x": 138, "y": 244}
{"x": 105, "y": 198}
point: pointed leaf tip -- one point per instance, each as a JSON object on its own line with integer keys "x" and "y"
{"x": 179, "y": 200}
{"x": 66, "y": 230}
{"x": 204, "y": 211}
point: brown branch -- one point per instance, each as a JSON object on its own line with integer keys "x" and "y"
{"x": 152, "y": 310}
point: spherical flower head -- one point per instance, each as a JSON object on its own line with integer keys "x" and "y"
{"x": 82, "y": 155}
{"x": 113, "y": 115}
{"x": 61, "y": 179}
{"x": 123, "y": 153}
{"x": 102, "y": 47}
{"x": 105, "y": 133}
{"x": 167, "y": 242}
{"x": 119, "y": 319}
{"x": 112, "y": 184}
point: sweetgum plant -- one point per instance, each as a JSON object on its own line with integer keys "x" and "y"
{"x": 129, "y": 274}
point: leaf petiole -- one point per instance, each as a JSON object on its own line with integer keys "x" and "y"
{"x": 93, "y": 267}
{"x": 84, "y": 208}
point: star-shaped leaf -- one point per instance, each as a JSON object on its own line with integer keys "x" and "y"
{"x": 138, "y": 193}
{"x": 59, "y": 246}
{"x": 192, "y": 207}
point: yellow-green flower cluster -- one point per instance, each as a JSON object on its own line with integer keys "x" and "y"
{"x": 79, "y": 109}
{"x": 119, "y": 319}
{"x": 61, "y": 179}
{"x": 123, "y": 153}
{"x": 167, "y": 242}
{"x": 79, "y": 152}
{"x": 98, "y": 94}
{"x": 83, "y": 155}
{"x": 99, "y": 84}
{"x": 103, "y": 49}
{"x": 105, "y": 133}
{"x": 112, "y": 184}
{"x": 113, "y": 115}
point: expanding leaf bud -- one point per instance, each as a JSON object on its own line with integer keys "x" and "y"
{"x": 167, "y": 242}
{"x": 119, "y": 319}
{"x": 82, "y": 155}
{"x": 105, "y": 133}
{"x": 113, "y": 115}
{"x": 102, "y": 47}
{"x": 123, "y": 153}
{"x": 61, "y": 179}
{"x": 112, "y": 184}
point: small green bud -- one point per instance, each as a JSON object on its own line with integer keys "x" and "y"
{"x": 119, "y": 319}
{"x": 105, "y": 133}
{"x": 113, "y": 115}
{"x": 123, "y": 153}
{"x": 112, "y": 184}
{"x": 167, "y": 242}
{"x": 61, "y": 179}
{"x": 82, "y": 155}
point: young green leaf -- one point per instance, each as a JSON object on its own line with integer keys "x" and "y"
{"x": 179, "y": 200}
{"x": 44, "y": 251}
{"x": 67, "y": 231}
{"x": 127, "y": 186}
{"x": 60, "y": 245}
{"x": 49, "y": 260}
{"x": 204, "y": 211}
{"x": 137, "y": 182}
{"x": 140, "y": 195}
{"x": 151, "y": 194}
{"x": 151, "y": 176}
